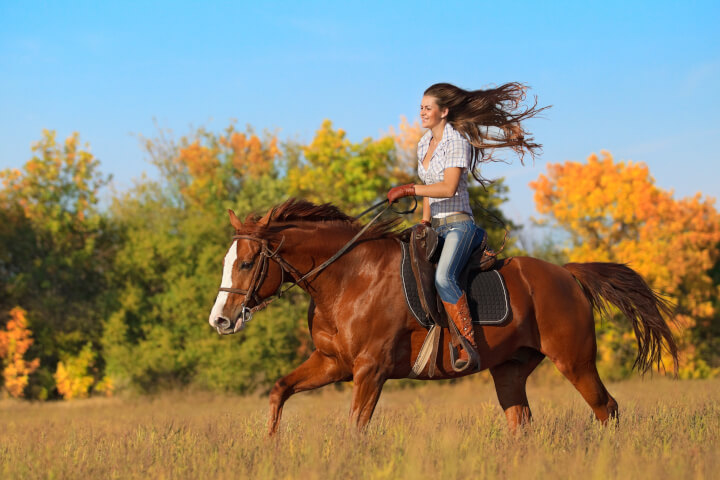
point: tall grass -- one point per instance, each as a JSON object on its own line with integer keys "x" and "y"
{"x": 668, "y": 429}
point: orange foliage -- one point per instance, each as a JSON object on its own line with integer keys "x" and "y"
{"x": 406, "y": 138}
{"x": 199, "y": 160}
{"x": 14, "y": 342}
{"x": 615, "y": 212}
{"x": 205, "y": 162}
{"x": 250, "y": 156}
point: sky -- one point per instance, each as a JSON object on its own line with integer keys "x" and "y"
{"x": 639, "y": 79}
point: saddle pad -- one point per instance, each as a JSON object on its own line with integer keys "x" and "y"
{"x": 487, "y": 295}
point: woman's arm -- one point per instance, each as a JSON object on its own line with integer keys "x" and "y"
{"x": 444, "y": 189}
{"x": 426, "y": 215}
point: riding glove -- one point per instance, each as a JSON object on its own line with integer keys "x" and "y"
{"x": 401, "y": 191}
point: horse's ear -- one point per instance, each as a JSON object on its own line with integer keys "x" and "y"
{"x": 264, "y": 221}
{"x": 234, "y": 220}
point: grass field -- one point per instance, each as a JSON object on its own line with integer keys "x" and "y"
{"x": 668, "y": 429}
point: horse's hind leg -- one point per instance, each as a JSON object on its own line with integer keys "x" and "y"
{"x": 584, "y": 376}
{"x": 315, "y": 372}
{"x": 510, "y": 378}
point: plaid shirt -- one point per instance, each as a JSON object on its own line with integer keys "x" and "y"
{"x": 453, "y": 151}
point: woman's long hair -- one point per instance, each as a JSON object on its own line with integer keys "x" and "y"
{"x": 472, "y": 112}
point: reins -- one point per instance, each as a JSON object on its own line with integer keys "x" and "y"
{"x": 266, "y": 253}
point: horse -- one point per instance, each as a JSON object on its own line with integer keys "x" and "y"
{"x": 363, "y": 331}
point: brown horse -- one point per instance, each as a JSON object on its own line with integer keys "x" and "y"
{"x": 363, "y": 331}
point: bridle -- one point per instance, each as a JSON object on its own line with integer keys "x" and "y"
{"x": 260, "y": 272}
{"x": 266, "y": 254}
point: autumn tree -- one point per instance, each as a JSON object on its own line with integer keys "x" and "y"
{"x": 55, "y": 249}
{"x": 15, "y": 341}
{"x": 334, "y": 169}
{"x": 175, "y": 232}
{"x": 118, "y": 297}
{"x": 406, "y": 137}
{"x": 614, "y": 212}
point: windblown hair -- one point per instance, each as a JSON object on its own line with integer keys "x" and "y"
{"x": 471, "y": 112}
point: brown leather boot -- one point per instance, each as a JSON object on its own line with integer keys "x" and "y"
{"x": 460, "y": 315}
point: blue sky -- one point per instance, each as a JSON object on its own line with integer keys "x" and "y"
{"x": 639, "y": 79}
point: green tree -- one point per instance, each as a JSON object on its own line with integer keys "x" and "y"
{"x": 487, "y": 208}
{"x": 175, "y": 233}
{"x": 56, "y": 250}
{"x": 335, "y": 170}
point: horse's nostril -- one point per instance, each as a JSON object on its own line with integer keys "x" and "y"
{"x": 222, "y": 322}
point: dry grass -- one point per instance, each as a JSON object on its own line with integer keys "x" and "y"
{"x": 668, "y": 429}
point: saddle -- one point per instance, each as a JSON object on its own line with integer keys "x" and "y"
{"x": 484, "y": 286}
{"x": 424, "y": 255}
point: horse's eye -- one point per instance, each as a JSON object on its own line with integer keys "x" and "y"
{"x": 246, "y": 265}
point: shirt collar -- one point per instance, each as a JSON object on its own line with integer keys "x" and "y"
{"x": 447, "y": 131}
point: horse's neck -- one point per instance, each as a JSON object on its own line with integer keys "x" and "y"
{"x": 311, "y": 246}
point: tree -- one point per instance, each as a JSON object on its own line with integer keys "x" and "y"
{"x": 73, "y": 376}
{"x": 175, "y": 232}
{"x": 56, "y": 249}
{"x": 15, "y": 341}
{"x": 333, "y": 169}
{"x": 614, "y": 212}
{"x": 406, "y": 138}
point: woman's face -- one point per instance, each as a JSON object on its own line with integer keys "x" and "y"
{"x": 430, "y": 113}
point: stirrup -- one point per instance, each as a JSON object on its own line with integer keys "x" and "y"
{"x": 473, "y": 357}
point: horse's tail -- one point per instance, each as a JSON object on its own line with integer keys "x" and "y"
{"x": 623, "y": 287}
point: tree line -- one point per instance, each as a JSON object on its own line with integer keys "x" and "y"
{"x": 101, "y": 297}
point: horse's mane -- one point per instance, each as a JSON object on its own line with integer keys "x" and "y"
{"x": 298, "y": 210}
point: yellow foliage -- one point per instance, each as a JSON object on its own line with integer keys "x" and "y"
{"x": 615, "y": 213}
{"x": 350, "y": 175}
{"x": 105, "y": 386}
{"x": 72, "y": 377}
{"x": 14, "y": 342}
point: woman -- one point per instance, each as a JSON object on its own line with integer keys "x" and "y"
{"x": 457, "y": 141}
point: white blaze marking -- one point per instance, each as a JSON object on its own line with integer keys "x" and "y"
{"x": 222, "y": 297}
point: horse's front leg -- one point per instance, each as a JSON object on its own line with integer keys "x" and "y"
{"x": 315, "y": 372}
{"x": 368, "y": 380}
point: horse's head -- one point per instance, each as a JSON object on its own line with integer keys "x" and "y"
{"x": 248, "y": 277}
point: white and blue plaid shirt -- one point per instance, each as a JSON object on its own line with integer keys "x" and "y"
{"x": 453, "y": 151}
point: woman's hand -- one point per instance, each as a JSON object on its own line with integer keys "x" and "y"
{"x": 401, "y": 191}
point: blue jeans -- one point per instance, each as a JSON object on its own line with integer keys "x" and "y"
{"x": 459, "y": 240}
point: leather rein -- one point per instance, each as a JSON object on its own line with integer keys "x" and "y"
{"x": 266, "y": 254}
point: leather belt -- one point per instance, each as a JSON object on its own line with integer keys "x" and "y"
{"x": 457, "y": 217}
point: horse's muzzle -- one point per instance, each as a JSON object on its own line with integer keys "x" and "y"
{"x": 225, "y": 326}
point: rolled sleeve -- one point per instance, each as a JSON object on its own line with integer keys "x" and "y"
{"x": 458, "y": 153}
